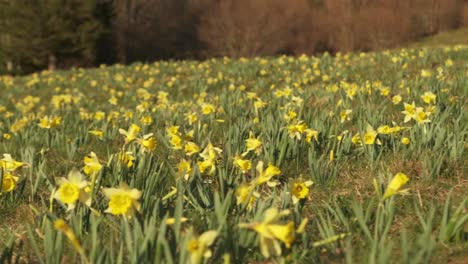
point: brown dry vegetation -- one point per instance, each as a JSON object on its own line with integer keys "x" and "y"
{"x": 236, "y": 28}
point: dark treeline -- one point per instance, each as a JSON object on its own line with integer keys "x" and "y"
{"x": 41, "y": 34}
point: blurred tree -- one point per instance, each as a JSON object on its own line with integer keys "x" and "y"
{"x": 35, "y": 34}
{"x": 147, "y": 30}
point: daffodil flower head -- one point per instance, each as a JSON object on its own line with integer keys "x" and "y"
{"x": 122, "y": 200}
{"x": 207, "y": 108}
{"x": 49, "y": 122}
{"x": 421, "y": 116}
{"x": 127, "y": 158}
{"x": 205, "y": 165}
{"x": 405, "y": 140}
{"x": 210, "y": 152}
{"x": 345, "y": 115}
{"x": 184, "y": 168}
{"x": 398, "y": 181}
{"x": 191, "y": 117}
{"x": 410, "y": 111}
{"x": 244, "y": 164}
{"x": 9, "y": 182}
{"x": 245, "y": 194}
{"x": 92, "y": 166}
{"x": 300, "y": 190}
{"x": 272, "y": 231}
{"x": 191, "y": 148}
{"x": 311, "y": 134}
{"x": 72, "y": 189}
{"x": 296, "y": 130}
{"x": 131, "y": 134}
{"x": 98, "y": 133}
{"x": 176, "y": 141}
{"x": 429, "y": 98}
{"x": 147, "y": 142}
{"x": 370, "y": 137}
{"x": 396, "y": 99}
{"x": 9, "y": 164}
{"x": 62, "y": 226}
{"x": 253, "y": 144}
{"x": 198, "y": 247}
{"x": 264, "y": 176}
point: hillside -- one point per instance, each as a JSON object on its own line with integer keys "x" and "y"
{"x": 354, "y": 158}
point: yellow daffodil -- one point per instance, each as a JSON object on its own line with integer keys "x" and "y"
{"x": 6, "y": 136}
{"x": 208, "y": 108}
{"x": 264, "y": 176}
{"x": 147, "y": 142}
{"x": 146, "y": 120}
{"x": 421, "y": 116}
{"x": 122, "y": 200}
{"x": 191, "y": 148}
{"x": 184, "y": 168}
{"x": 173, "y": 130}
{"x": 271, "y": 232}
{"x": 98, "y": 133}
{"x": 245, "y": 194}
{"x": 410, "y": 111}
{"x": 405, "y": 140}
{"x": 210, "y": 152}
{"x": 395, "y": 185}
{"x": 296, "y": 130}
{"x": 92, "y": 166}
{"x": 345, "y": 115}
{"x": 243, "y": 164}
{"x": 191, "y": 117}
{"x": 72, "y": 189}
{"x": 369, "y": 138}
{"x": 253, "y": 144}
{"x": 396, "y": 99}
{"x": 131, "y": 134}
{"x": 290, "y": 115}
{"x": 198, "y": 247}
{"x": 300, "y": 190}
{"x": 259, "y": 104}
{"x": 311, "y": 134}
{"x": 172, "y": 220}
{"x": 9, "y": 164}
{"x": 49, "y": 122}
{"x": 9, "y": 182}
{"x": 356, "y": 139}
{"x": 176, "y": 142}
{"x": 429, "y": 98}
{"x": 205, "y": 165}
{"x": 127, "y": 158}
{"x": 426, "y": 73}
{"x": 62, "y": 226}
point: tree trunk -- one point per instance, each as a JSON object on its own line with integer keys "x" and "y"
{"x": 9, "y": 66}
{"x": 52, "y": 62}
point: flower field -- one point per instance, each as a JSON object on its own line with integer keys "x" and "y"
{"x": 356, "y": 158}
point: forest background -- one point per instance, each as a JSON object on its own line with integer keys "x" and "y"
{"x": 49, "y": 34}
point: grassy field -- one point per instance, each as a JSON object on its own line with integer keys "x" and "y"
{"x": 356, "y": 158}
